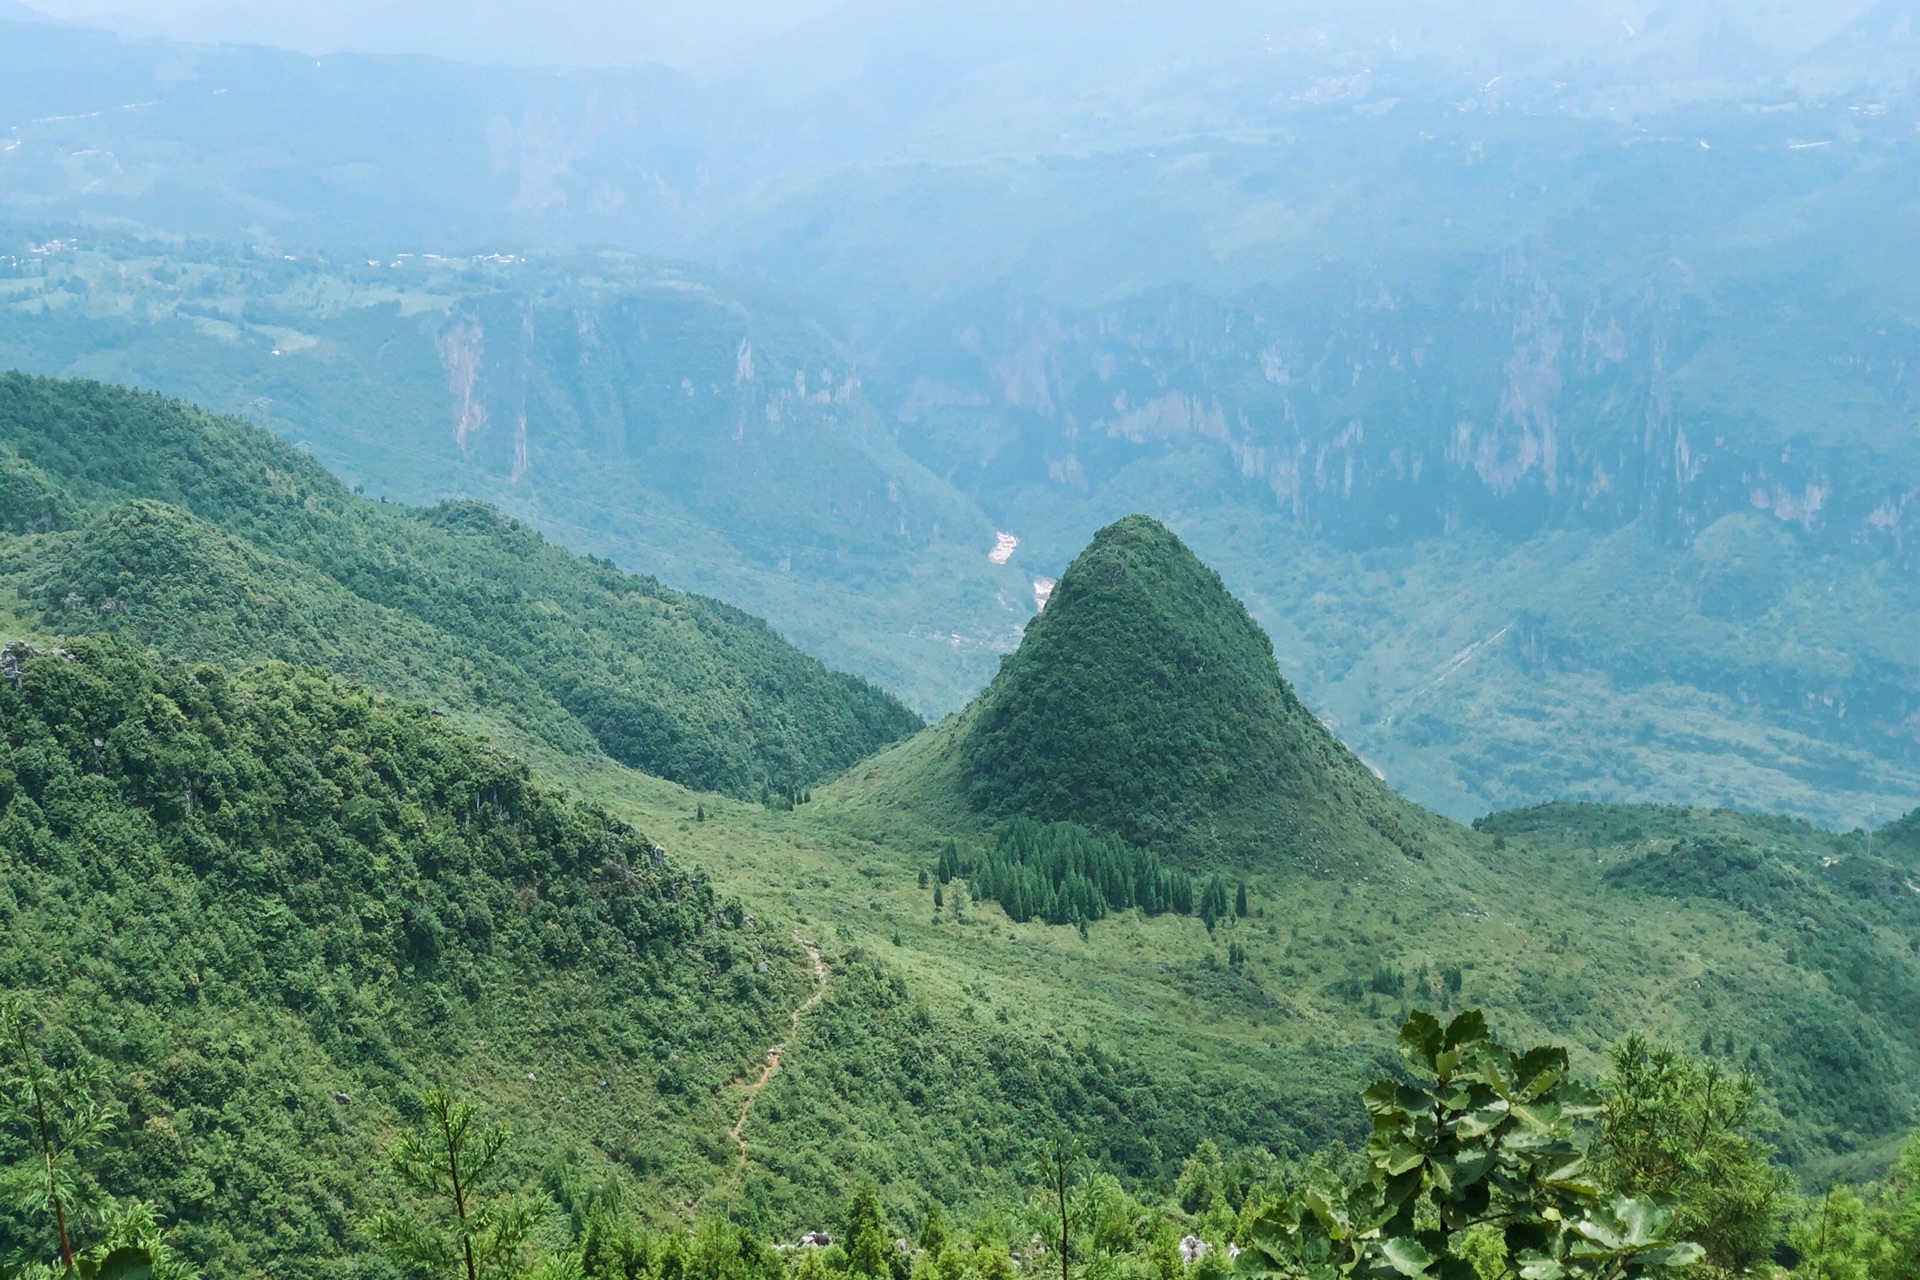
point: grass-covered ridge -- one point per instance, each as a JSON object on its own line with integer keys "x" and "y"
{"x": 207, "y": 537}
{"x": 1145, "y": 701}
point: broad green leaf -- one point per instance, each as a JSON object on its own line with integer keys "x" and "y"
{"x": 1538, "y": 1070}
{"x": 1496, "y": 1067}
{"x": 1685, "y": 1254}
{"x": 1469, "y": 1028}
{"x": 1401, "y": 1188}
{"x": 1471, "y": 1167}
{"x": 1329, "y": 1207}
{"x": 1623, "y": 1228}
{"x": 1642, "y": 1222}
{"x": 1538, "y": 1266}
{"x": 1482, "y": 1120}
{"x": 1571, "y": 1175}
{"x": 1274, "y": 1224}
{"x": 1408, "y": 1257}
{"x": 1402, "y": 1157}
{"x": 1421, "y": 1039}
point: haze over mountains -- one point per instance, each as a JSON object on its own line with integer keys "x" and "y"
{"x": 1548, "y": 398}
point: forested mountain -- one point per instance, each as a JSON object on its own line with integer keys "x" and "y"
{"x": 270, "y": 904}
{"x": 208, "y": 538}
{"x": 1260, "y": 437}
{"x": 1145, "y": 701}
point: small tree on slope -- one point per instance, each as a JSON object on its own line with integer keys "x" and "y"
{"x": 1483, "y": 1138}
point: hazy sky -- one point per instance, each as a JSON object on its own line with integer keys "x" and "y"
{"x": 887, "y": 52}
{"x": 677, "y": 32}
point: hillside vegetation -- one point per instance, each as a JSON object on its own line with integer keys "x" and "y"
{"x": 208, "y": 538}
{"x": 1787, "y": 950}
{"x": 277, "y": 905}
{"x": 705, "y": 431}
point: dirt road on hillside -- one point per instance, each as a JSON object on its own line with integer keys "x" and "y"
{"x": 752, "y": 1088}
{"x": 820, "y": 975}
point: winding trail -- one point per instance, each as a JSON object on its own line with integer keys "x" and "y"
{"x": 752, "y": 1088}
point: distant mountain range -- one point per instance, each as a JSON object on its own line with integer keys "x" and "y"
{"x": 1549, "y": 401}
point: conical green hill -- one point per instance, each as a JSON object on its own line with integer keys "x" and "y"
{"x": 1145, "y": 701}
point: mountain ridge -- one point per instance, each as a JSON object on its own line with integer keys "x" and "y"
{"x": 239, "y": 534}
{"x": 1396, "y": 554}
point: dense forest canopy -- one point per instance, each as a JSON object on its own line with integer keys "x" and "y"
{"x": 273, "y": 901}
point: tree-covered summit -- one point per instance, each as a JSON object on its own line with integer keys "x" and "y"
{"x": 1145, "y": 701}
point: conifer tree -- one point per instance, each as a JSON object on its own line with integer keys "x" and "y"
{"x": 867, "y": 1245}
{"x": 1057, "y": 1165}
{"x": 65, "y": 1112}
{"x": 1677, "y": 1129}
{"x": 1064, "y": 874}
{"x": 448, "y": 1160}
{"x": 1213, "y": 903}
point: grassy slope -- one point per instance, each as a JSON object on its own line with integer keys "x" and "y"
{"x": 1547, "y": 940}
